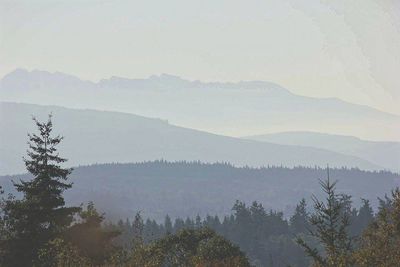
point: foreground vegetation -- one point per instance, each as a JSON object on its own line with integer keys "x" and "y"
{"x": 39, "y": 230}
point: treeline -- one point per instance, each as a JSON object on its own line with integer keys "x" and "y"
{"x": 39, "y": 230}
{"x": 158, "y": 188}
{"x": 333, "y": 234}
{"x": 265, "y": 236}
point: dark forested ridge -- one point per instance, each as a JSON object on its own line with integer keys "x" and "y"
{"x": 158, "y": 188}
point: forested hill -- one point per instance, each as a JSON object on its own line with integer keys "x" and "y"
{"x": 190, "y": 188}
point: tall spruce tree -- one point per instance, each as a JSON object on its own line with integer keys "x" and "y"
{"x": 330, "y": 222}
{"x": 41, "y": 214}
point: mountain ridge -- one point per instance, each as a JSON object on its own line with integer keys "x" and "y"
{"x": 384, "y": 153}
{"x": 103, "y": 136}
{"x": 243, "y": 108}
{"x": 254, "y": 84}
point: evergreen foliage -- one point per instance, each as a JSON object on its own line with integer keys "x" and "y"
{"x": 299, "y": 221}
{"x": 330, "y": 222}
{"x": 380, "y": 242}
{"x": 266, "y": 237}
{"x": 40, "y": 215}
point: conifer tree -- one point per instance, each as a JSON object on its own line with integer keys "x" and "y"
{"x": 138, "y": 227}
{"x": 361, "y": 218}
{"x": 168, "y": 225}
{"x": 299, "y": 220}
{"x": 41, "y": 214}
{"x": 330, "y": 221}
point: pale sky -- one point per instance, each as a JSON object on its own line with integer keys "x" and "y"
{"x": 324, "y": 48}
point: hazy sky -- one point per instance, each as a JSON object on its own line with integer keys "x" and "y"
{"x": 346, "y": 49}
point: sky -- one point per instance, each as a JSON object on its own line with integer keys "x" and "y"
{"x": 321, "y": 48}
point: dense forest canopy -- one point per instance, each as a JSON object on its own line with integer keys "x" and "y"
{"x": 160, "y": 187}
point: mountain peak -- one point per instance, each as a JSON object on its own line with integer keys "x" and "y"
{"x": 23, "y": 79}
{"x": 16, "y": 74}
{"x": 166, "y": 77}
{"x": 16, "y": 79}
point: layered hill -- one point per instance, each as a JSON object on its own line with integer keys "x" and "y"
{"x": 386, "y": 154}
{"x": 102, "y": 137}
{"x": 234, "y": 109}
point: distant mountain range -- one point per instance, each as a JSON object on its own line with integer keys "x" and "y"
{"x": 188, "y": 189}
{"x": 103, "y": 137}
{"x": 385, "y": 154}
{"x": 235, "y": 109}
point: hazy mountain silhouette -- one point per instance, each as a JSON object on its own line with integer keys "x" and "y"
{"x": 102, "y": 137}
{"x": 243, "y": 108}
{"x": 386, "y": 154}
{"x": 188, "y": 189}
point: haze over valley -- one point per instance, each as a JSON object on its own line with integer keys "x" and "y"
{"x": 252, "y": 124}
{"x": 103, "y": 137}
{"x": 233, "y": 109}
